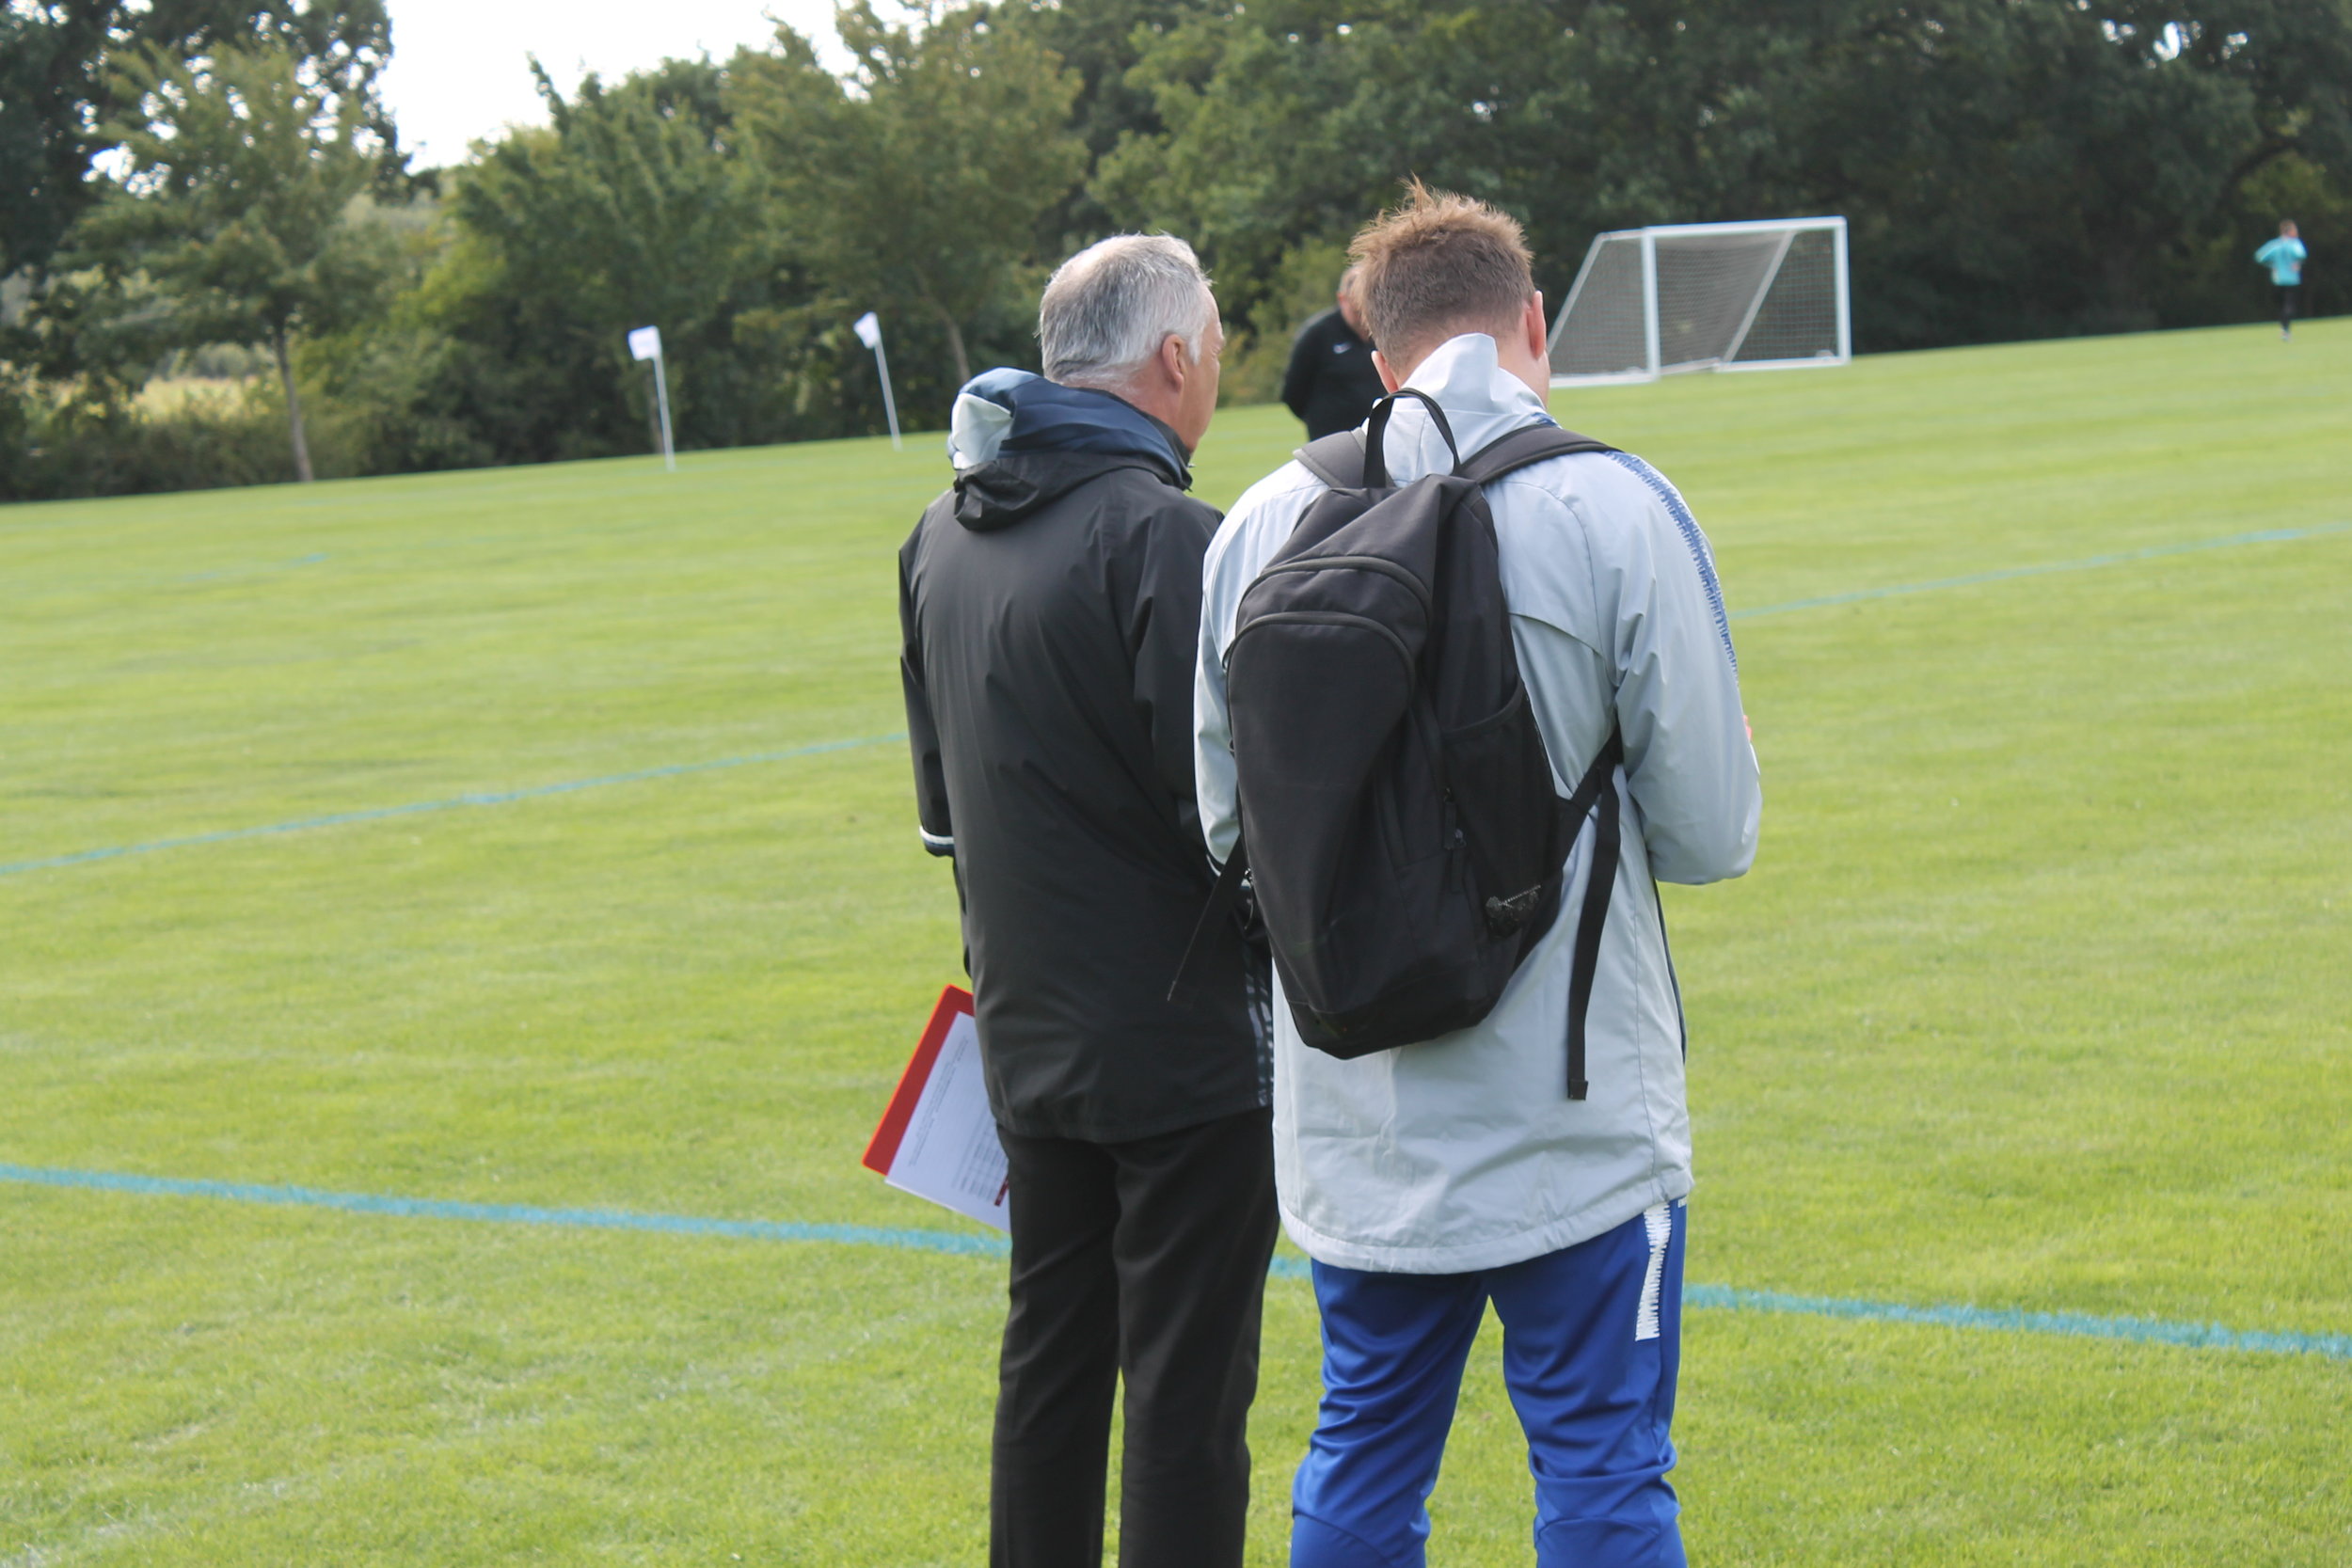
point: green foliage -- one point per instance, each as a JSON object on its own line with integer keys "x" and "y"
{"x": 1100, "y": 42}
{"x": 750, "y": 210}
{"x": 245, "y": 210}
{"x": 635, "y": 206}
{"x": 76, "y": 447}
{"x": 58, "y": 99}
{"x": 245, "y": 171}
{"x": 1304, "y": 282}
{"x": 931, "y": 177}
{"x": 2012, "y": 167}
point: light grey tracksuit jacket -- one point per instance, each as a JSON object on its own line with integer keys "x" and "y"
{"x": 1464, "y": 1152}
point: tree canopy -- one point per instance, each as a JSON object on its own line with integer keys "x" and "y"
{"x": 2010, "y": 169}
{"x": 59, "y": 87}
{"x": 244, "y": 170}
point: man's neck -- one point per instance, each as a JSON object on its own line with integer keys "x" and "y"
{"x": 1159, "y": 402}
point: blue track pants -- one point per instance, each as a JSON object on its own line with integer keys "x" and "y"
{"x": 1592, "y": 1337}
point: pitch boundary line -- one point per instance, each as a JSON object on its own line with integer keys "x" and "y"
{"x": 500, "y": 797}
{"x": 2334, "y": 1347}
{"x": 2119, "y": 558}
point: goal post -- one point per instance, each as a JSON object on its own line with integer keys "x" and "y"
{"x": 1768, "y": 295}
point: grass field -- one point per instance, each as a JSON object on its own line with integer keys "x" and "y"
{"x": 2039, "y": 998}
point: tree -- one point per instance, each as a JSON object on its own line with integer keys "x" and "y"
{"x": 1102, "y": 42}
{"x": 635, "y": 206}
{"x": 932, "y": 179}
{"x": 2012, "y": 168}
{"x": 58, "y": 58}
{"x": 246, "y": 171}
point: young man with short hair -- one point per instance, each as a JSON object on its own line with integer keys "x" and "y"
{"x": 1050, "y": 603}
{"x": 1430, "y": 1181}
{"x": 2284, "y": 257}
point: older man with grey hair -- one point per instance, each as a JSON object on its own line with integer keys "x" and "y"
{"x": 1050, "y": 603}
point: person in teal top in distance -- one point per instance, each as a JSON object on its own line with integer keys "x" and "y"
{"x": 2284, "y": 257}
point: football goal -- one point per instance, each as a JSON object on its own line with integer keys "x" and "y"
{"x": 1706, "y": 296}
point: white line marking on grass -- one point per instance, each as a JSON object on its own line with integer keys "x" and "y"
{"x": 377, "y": 813}
{"x": 2121, "y": 558}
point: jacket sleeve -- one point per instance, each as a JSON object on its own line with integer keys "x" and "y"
{"x": 1260, "y": 520}
{"x": 931, "y": 778}
{"x": 1298, "y": 379}
{"x": 1689, "y": 764}
{"x": 1214, "y": 776}
{"x": 1162, "y": 624}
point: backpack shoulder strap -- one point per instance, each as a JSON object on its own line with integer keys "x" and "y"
{"x": 1337, "y": 460}
{"x": 1529, "y": 444}
{"x": 1597, "y": 791}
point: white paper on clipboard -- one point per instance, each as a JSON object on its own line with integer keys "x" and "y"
{"x": 938, "y": 1139}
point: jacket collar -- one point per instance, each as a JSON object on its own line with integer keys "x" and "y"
{"x": 1007, "y": 412}
{"x": 1483, "y": 403}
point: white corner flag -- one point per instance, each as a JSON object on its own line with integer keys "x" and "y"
{"x": 868, "y": 330}
{"x": 645, "y": 343}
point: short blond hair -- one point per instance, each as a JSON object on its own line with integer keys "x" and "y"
{"x": 1439, "y": 265}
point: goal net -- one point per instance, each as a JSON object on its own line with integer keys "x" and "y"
{"x": 1696, "y": 297}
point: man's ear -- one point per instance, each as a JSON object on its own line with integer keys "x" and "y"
{"x": 1538, "y": 332}
{"x": 1177, "y": 362}
{"x": 1389, "y": 378}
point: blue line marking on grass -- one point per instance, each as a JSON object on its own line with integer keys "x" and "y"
{"x": 254, "y": 571}
{"x": 377, "y": 813}
{"x": 2120, "y": 558}
{"x": 507, "y": 1214}
{"x": 2334, "y": 1347}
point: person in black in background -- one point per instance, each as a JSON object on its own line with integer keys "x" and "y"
{"x": 1050, "y": 603}
{"x": 1330, "y": 383}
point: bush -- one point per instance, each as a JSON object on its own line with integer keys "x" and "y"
{"x": 52, "y": 448}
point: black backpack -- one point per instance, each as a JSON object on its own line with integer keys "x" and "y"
{"x": 1399, "y": 823}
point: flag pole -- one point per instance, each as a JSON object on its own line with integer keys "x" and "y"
{"x": 868, "y": 330}
{"x": 890, "y": 405}
{"x": 661, "y": 395}
{"x": 644, "y": 342}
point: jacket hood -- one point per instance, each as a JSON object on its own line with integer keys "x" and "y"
{"x": 1019, "y": 441}
{"x": 1483, "y": 403}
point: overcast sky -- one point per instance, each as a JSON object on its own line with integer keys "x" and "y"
{"x": 459, "y": 67}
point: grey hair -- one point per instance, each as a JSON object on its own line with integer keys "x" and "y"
{"x": 1108, "y": 308}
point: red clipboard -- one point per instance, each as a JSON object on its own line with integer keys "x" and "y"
{"x": 882, "y": 1149}
{"x": 937, "y": 1138}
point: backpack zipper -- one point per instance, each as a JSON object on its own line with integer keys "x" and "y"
{"x": 1328, "y": 618}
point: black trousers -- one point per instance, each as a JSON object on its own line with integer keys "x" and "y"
{"x": 2287, "y": 292}
{"x": 1147, "y": 1259}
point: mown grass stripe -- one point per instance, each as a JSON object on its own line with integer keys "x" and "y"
{"x": 2336, "y": 1346}
{"x": 501, "y": 798}
{"x": 2089, "y": 562}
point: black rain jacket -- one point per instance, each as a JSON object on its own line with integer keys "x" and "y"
{"x": 1050, "y": 605}
{"x": 1332, "y": 382}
